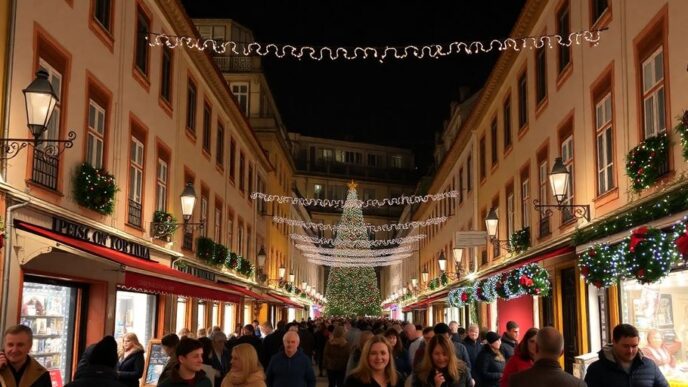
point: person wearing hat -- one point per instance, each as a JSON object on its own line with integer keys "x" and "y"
{"x": 100, "y": 370}
{"x": 489, "y": 364}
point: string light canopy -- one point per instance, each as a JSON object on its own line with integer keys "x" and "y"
{"x": 350, "y": 228}
{"x": 357, "y": 243}
{"x": 379, "y": 53}
{"x": 339, "y": 203}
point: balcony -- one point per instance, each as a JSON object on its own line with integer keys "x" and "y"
{"x": 45, "y": 169}
{"x": 237, "y": 64}
{"x": 134, "y": 217}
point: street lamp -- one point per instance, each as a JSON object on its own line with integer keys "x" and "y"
{"x": 491, "y": 224}
{"x": 261, "y": 257}
{"x": 188, "y": 199}
{"x": 414, "y": 282}
{"x": 281, "y": 271}
{"x": 40, "y": 101}
{"x": 442, "y": 261}
{"x": 424, "y": 275}
{"x": 559, "y": 180}
{"x": 292, "y": 277}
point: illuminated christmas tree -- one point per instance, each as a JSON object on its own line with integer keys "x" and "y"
{"x": 352, "y": 291}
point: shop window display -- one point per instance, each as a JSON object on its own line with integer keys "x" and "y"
{"x": 135, "y": 313}
{"x": 660, "y": 312}
{"x": 181, "y": 314}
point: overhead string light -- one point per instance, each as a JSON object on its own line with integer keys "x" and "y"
{"x": 353, "y": 252}
{"x": 370, "y": 227}
{"x": 338, "y": 203}
{"x": 380, "y": 53}
{"x": 371, "y": 260}
{"x": 357, "y": 264}
{"x": 358, "y": 243}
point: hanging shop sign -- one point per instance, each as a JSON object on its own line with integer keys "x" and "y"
{"x": 100, "y": 238}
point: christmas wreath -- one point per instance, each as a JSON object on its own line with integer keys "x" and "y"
{"x": 205, "y": 249}
{"x": 220, "y": 256}
{"x": 646, "y": 163}
{"x": 245, "y": 267}
{"x": 534, "y": 280}
{"x": 232, "y": 261}
{"x": 649, "y": 254}
{"x": 484, "y": 290}
{"x": 460, "y": 296}
{"x": 681, "y": 239}
{"x": 507, "y": 285}
{"x": 682, "y": 130}
{"x": 601, "y": 265}
{"x": 167, "y": 224}
{"x": 94, "y": 189}
{"x": 520, "y": 240}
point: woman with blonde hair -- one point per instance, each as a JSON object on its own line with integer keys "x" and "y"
{"x": 131, "y": 361}
{"x": 441, "y": 367}
{"x": 376, "y": 367}
{"x": 246, "y": 371}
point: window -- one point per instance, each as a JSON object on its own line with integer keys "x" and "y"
{"x": 166, "y": 74}
{"x": 318, "y": 191}
{"x": 261, "y": 188}
{"x": 204, "y": 210}
{"x": 522, "y": 100}
{"x": 240, "y": 91}
{"x": 460, "y": 185}
{"x": 326, "y": 154}
{"x": 142, "y": 49}
{"x": 493, "y": 142}
{"x": 55, "y": 78}
{"x": 250, "y": 178}
{"x": 181, "y": 314}
{"x": 218, "y": 224}
{"x": 248, "y": 241}
{"x": 507, "y": 123}
{"x": 232, "y": 158}
{"x": 191, "y": 107}
{"x": 161, "y": 186}
{"x": 202, "y": 310}
{"x": 349, "y": 157}
{"x": 541, "y": 74}
{"x": 654, "y": 112}
{"x": 396, "y": 161}
{"x": 598, "y": 9}
{"x": 207, "y": 113}
{"x": 242, "y": 167}
{"x": 525, "y": 199}
{"x": 135, "y": 312}
{"x": 240, "y": 239}
{"x": 510, "y": 212}
{"x": 135, "y": 181}
{"x": 215, "y": 315}
{"x": 482, "y": 166}
{"x": 101, "y": 12}
{"x": 372, "y": 160}
{"x": 567, "y": 159}
{"x": 469, "y": 173}
{"x": 605, "y": 145}
{"x": 543, "y": 183}
{"x": 230, "y": 229}
{"x": 96, "y": 134}
{"x": 339, "y": 156}
{"x": 563, "y": 29}
{"x": 220, "y": 151}
{"x": 216, "y": 32}
{"x": 496, "y": 251}
{"x": 228, "y": 318}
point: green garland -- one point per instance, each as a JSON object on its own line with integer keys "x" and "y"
{"x": 221, "y": 252}
{"x": 484, "y": 290}
{"x": 520, "y": 240}
{"x": 245, "y": 267}
{"x": 650, "y": 254}
{"x": 645, "y": 163}
{"x": 232, "y": 261}
{"x": 534, "y": 280}
{"x": 94, "y": 189}
{"x": 601, "y": 265}
{"x": 169, "y": 222}
{"x": 682, "y": 130}
{"x": 672, "y": 202}
{"x": 205, "y": 249}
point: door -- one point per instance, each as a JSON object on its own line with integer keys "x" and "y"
{"x": 49, "y": 309}
{"x": 569, "y": 302}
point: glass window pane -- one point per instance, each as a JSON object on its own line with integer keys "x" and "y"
{"x": 135, "y": 314}
{"x": 661, "y": 121}
{"x": 659, "y": 66}
{"x": 649, "y": 118}
{"x": 181, "y": 314}
{"x": 647, "y": 76}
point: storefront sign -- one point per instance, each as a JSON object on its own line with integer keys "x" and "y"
{"x": 198, "y": 272}
{"x": 97, "y": 237}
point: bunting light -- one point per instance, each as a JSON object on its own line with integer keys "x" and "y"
{"x": 358, "y": 243}
{"x": 337, "y": 203}
{"x": 379, "y": 53}
{"x": 354, "y": 259}
{"x": 352, "y": 252}
{"x": 370, "y": 227}
{"x": 357, "y": 264}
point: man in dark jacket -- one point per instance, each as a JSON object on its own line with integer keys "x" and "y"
{"x": 306, "y": 339}
{"x": 100, "y": 368}
{"x": 546, "y": 371}
{"x": 272, "y": 343}
{"x": 510, "y": 339}
{"x": 621, "y": 364}
{"x": 290, "y": 367}
{"x": 188, "y": 372}
{"x": 473, "y": 344}
{"x": 169, "y": 346}
{"x": 16, "y": 366}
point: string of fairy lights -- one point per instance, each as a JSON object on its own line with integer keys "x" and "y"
{"x": 358, "y": 244}
{"x": 379, "y": 53}
{"x": 370, "y": 227}
{"x": 338, "y": 203}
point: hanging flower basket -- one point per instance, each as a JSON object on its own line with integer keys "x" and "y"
{"x": 94, "y": 189}
{"x": 646, "y": 163}
{"x": 649, "y": 255}
{"x": 682, "y": 130}
{"x": 601, "y": 265}
{"x": 520, "y": 240}
{"x": 220, "y": 256}
{"x": 166, "y": 224}
{"x": 244, "y": 268}
{"x": 205, "y": 249}
{"x": 232, "y": 261}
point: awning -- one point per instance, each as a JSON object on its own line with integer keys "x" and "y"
{"x": 246, "y": 292}
{"x": 144, "y": 275}
{"x": 535, "y": 258}
{"x": 285, "y": 300}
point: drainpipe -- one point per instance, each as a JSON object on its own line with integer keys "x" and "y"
{"x": 6, "y": 264}
{"x": 12, "y": 9}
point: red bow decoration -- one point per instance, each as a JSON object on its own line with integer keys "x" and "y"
{"x": 464, "y": 297}
{"x": 682, "y": 244}
{"x": 640, "y": 273}
{"x": 585, "y": 271}
{"x": 525, "y": 281}
{"x": 637, "y": 236}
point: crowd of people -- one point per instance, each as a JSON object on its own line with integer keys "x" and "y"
{"x": 352, "y": 353}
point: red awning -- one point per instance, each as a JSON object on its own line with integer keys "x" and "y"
{"x": 285, "y": 300}
{"x": 144, "y": 275}
{"x": 244, "y": 291}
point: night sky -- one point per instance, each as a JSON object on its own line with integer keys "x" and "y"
{"x": 401, "y": 103}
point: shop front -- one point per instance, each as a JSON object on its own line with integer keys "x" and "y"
{"x": 73, "y": 284}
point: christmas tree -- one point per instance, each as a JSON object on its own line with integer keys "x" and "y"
{"x": 352, "y": 291}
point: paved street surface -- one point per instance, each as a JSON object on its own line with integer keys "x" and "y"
{"x": 320, "y": 381}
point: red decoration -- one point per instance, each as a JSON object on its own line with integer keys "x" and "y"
{"x": 598, "y": 284}
{"x": 637, "y": 236}
{"x": 592, "y": 252}
{"x": 640, "y": 273}
{"x": 585, "y": 271}
{"x": 525, "y": 281}
{"x": 464, "y": 297}
{"x": 681, "y": 244}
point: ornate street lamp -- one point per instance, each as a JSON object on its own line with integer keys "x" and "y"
{"x": 559, "y": 180}
{"x": 188, "y": 199}
{"x": 491, "y": 224}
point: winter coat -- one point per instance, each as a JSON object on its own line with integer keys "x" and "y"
{"x": 336, "y": 355}
{"x": 167, "y": 370}
{"x": 545, "y": 372}
{"x": 200, "y": 380}
{"x": 248, "y": 339}
{"x": 271, "y": 346}
{"x": 508, "y": 346}
{"x": 306, "y": 342}
{"x": 608, "y": 373}
{"x": 473, "y": 349}
{"x": 514, "y": 365}
{"x": 295, "y": 371}
{"x": 352, "y": 381}
{"x": 34, "y": 375}
{"x": 95, "y": 375}
{"x": 256, "y": 379}
{"x": 488, "y": 369}
{"x": 464, "y": 379}
{"x": 130, "y": 369}
{"x": 403, "y": 363}
{"x": 460, "y": 352}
